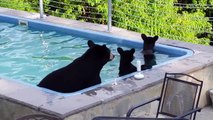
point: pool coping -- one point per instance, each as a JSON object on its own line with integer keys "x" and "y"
{"x": 64, "y": 106}
{"x": 41, "y": 25}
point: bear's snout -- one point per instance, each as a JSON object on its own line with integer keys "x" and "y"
{"x": 111, "y": 56}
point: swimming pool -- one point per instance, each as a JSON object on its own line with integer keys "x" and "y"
{"x": 31, "y": 49}
{"x": 19, "y": 99}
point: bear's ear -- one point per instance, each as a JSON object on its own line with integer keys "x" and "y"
{"x": 90, "y": 43}
{"x": 120, "y": 50}
{"x": 155, "y": 38}
{"x": 143, "y": 36}
{"x": 104, "y": 45}
{"x": 132, "y": 50}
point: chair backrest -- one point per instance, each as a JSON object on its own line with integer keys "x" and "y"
{"x": 180, "y": 94}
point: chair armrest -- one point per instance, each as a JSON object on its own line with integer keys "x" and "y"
{"x": 190, "y": 112}
{"x": 128, "y": 114}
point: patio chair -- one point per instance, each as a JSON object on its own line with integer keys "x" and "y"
{"x": 38, "y": 117}
{"x": 179, "y": 100}
{"x": 179, "y": 97}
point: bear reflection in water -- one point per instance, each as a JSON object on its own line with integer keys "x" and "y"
{"x": 82, "y": 73}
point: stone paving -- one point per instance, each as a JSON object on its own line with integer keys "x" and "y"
{"x": 205, "y": 114}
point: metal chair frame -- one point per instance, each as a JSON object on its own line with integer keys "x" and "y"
{"x": 175, "y": 77}
{"x": 133, "y": 118}
{"x": 38, "y": 117}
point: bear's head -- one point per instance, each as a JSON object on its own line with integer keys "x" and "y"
{"x": 126, "y": 56}
{"x": 149, "y": 44}
{"x": 99, "y": 52}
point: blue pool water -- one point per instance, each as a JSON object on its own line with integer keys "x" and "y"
{"x": 29, "y": 53}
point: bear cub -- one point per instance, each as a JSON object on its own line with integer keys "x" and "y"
{"x": 126, "y": 57}
{"x": 148, "y": 51}
{"x": 82, "y": 73}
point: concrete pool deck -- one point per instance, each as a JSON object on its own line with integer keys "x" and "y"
{"x": 205, "y": 114}
{"x": 17, "y": 99}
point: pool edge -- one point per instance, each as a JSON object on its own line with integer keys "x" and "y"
{"x": 200, "y": 51}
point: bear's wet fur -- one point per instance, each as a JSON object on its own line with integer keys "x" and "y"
{"x": 148, "y": 51}
{"x": 82, "y": 73}
{"x": 126, "y": 57}
{"x": 149, "y": 61}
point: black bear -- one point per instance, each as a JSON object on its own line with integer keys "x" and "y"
{"x": 83, "y": 72}
{"x": 148, "y": 51}
{"x": 126, "y": 57}
{"x": 149, "y": 44}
